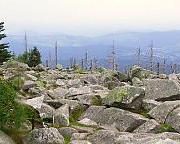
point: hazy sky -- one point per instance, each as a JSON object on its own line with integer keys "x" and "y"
{"x": 90, "y": 17}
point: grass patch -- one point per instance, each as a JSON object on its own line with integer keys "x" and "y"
{"x": 96, "y": 101}
{"x": 67, "y": 139}
{"x": 17, "y": 83}
{"x": 75, "y": 115}
{"x": 116, "y": 95}
{"x": 166, "y": 128}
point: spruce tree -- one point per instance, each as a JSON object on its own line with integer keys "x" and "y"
{"x": 4, "y": 53}
{"x": 34, "y": 57}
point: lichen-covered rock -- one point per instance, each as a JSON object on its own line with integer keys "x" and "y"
{"x": 137, "y": 82}
{"x": 59, "y": 67}
{"x": 129, "y": 95}
{"x": 161, "y": 90}
{"x": 45, "y": 136}
{"x": 136, "y": 71}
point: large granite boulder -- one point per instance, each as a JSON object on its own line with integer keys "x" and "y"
{"x": 162, "y": 111}
{"x": 173, "y": 119}
{"x": 161, "y": 90}
{"x": 111, "y": 137}
{"x": 120, "y": 119}
{"x": 44, "y": 136}
{"x": 151, "y": 126}
{"x": 130, "y": 96}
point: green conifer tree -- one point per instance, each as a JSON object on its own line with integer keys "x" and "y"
{"x": 34, "y": 57}
{"x": 4, "y": 53}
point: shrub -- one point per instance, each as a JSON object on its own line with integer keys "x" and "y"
{"x": 12, "y": 113}
{"x": 17, "y": 83}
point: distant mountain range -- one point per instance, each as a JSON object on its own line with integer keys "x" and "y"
{"x": 166, "y": 45}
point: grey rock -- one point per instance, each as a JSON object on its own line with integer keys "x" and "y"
{"x": 149, "y": 104}
{"x": 73, "y": 104}
{"x": 80, "y": 142}
{"x": 79, "y": 136}
{"x": 61, "y": 115}
{"x": 81, "y": 129}
{"x": 28, "y": 84}
{"x": 87, "y": 122}
{"x": 45, "y": 136}
{"x": 151, "y": 126}
{"x": 173, "y": 119}
{"x": 40, "y": 67}
{"x": 58, "y": 93}
{"x": 16, "y": 65}
{"x": 173, "y": 76}
{"x": 31, "y": 77}
{"x": 89, "y": 79}
{"x": 136, "y": 71}
{"x": 89, "y": 99}
{"x": 5, "y": 139}
{"x": 92, "y": 112}
{"x": 79, "y": 91}
{"x": 118, "y": 118}
{"x": 35, "y": 102}
{"x": 46, "y": 111}
{"x": 160, "y": 112}
{"x": 159, "y": 89}
{"x": 111, "y": 137}
{"x": 60, "y": 82}
{"x": 74, "y": 83}
{"x": 67, "y": 131}
{"x": 103, "y": 137}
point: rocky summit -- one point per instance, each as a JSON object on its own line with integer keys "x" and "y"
{"x": 97, "y": 106}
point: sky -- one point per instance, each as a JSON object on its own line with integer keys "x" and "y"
{"x": 89, "y": 17}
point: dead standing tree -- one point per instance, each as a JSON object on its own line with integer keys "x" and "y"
{"x": 151, "y": 56}
{"x": 138, "y": 56}
{"x": 56, "y": 55}
{"x": 112, "y": 58}
{"x": 86, "y": 60}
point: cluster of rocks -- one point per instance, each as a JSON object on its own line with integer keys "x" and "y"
{"x": 99, "y": 106}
